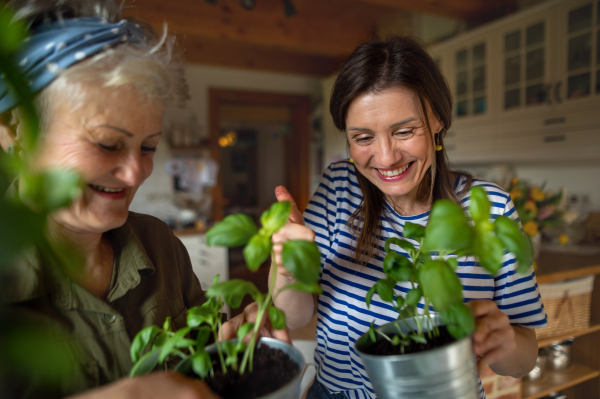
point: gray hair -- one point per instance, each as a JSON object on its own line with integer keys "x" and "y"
{"x": 153, "y": 67}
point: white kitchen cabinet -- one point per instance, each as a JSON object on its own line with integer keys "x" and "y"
{"x": 541, "y": 95}
{"x": 207, "y": 261}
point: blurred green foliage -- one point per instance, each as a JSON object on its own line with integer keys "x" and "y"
{"x": 28, "y": 352}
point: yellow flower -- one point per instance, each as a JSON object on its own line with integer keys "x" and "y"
{"x": 531, "y": 228}
{"x": 514, "y": 181}
{"x": 530, "y": 206}
{"x": 563, "y": 239}
{"x": 536, "y": 194}
{"x": 515, "y": 193}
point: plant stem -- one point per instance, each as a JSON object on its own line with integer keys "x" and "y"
{"x": 221, "y": 359}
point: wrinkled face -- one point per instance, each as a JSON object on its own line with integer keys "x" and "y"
{"x": 110, "y": 141}
{"x": 389, "y": 141}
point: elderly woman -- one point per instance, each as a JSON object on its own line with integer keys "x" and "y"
{"x": 395, "y": 107}
{"x": 103, "y": 87}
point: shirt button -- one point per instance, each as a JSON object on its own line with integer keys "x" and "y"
{"x": 109, "y": 318}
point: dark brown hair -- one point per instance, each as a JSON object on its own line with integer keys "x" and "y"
{"x": 377, "y": 65}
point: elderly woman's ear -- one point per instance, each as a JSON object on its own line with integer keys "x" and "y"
{"x": 9, "y": 129}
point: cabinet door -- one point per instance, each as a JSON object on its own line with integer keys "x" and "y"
{"x": 468, "y": 72}
{"x": 207, "y": 261}
{"x": 525, "y": 55}
{"x": 578, "y": 83}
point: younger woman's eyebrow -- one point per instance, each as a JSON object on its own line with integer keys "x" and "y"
{"x": 403, "y": 121}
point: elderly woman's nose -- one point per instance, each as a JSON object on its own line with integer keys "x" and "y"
{"x": 133, "y": 170}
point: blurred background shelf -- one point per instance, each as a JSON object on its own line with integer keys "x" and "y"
{"x": 558, "y": 380}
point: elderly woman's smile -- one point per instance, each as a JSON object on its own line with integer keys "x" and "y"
{"x": 111, "y": 141}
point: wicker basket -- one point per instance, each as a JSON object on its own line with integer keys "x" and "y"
{"x": 568, "y": 306}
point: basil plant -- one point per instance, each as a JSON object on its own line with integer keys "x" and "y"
{"x": 301, "y": 258}
{"x": 430, "y": 270}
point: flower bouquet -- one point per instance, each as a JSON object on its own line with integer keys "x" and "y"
{"x": 538, "y": 210}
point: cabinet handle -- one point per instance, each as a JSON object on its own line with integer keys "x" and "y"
{"x": 548, "y": 94}
{"x": 557, "y": 92}
{"x": 555, "y": 138}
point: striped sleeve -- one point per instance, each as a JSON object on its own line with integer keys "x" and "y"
{"x": 320, "y": 214}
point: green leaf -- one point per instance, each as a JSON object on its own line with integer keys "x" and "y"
{"x": 413, "y": 296}
{"x": 185, "y": 343}
{"x": 395, "y": 340}
{"x": 146, "y": 364}
{"x": 160, "y": 340}
{"x": 418, "y": 338}
{"x": 233, "y": 231}
{"x": 203, "y": 336}
{"x": 489, "y": 249}
{"x": 277, "y": 317}
{"x": 399, "y": 301}
{"x": 12, "y": 32}
{"x": 459, "y": 320}
{"x": 171, "y": 342}
{"x": 507, "y": 231}
{"x": 167, "y": 324}
{"x": 21, "y": 227}
{"x": 201, "y": 363}
{"x": 453, "y": 262}
{"x": 412, "y": 230}
{"x": 244, "y": 330}
{"x": 234, "y": 291}
{"x": 385, "y": 290}
{"x": 440, "y": 284}
{"x": 275, "y": 217}
{"x": 394, "y": 260}
{"x": 257, "y": 251}
{"x": 299, "y": 286}
{"x": 480, "y": 205}
{"x": 142, "y": 340}
{"x": 390, "y": 241}
{"x": 303, "y": 260}
{"x": 448, "y": 228}
{"x": 372, "y": 333}
{"x": 201, "y": 314}
{"x": 370, "y": 294}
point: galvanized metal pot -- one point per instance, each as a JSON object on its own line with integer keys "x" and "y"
{"x": 292, "y": 388}
{"x": 448, "y": 372}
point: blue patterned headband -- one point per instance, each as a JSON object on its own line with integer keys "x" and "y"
{"x": 58, "y": 45}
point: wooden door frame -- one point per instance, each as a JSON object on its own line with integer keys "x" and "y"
{"x": 296, "y": 144}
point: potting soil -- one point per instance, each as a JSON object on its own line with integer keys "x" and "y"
{"x": 272, "y": 370}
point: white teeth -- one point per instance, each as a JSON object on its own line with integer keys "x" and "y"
{"x": 395, "y": 172}
{"x": 106, "y": 190}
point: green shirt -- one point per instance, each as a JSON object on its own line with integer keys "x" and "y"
{"x": 152, "y": 279}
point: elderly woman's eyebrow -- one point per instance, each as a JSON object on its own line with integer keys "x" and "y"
{"x": 125, "y": 132}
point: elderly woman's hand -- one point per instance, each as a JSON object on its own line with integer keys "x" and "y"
{"x": 157, "y": 385}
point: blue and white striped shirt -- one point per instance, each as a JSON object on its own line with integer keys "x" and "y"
{"x": 342, "y": 313}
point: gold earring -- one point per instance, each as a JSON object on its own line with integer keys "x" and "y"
{"x": 351, "y": 160}
{"x": 438, "y": 146}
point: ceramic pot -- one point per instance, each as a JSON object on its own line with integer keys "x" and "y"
{"x": 448, "y": 372}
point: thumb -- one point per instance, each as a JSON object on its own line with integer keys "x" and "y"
{"x": 283, "y": 194}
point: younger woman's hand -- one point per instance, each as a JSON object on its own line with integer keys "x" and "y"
{"x": 494, "y": 337}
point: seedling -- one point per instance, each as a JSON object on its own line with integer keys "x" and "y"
{"x": 430, "y": 269}
{"x": 301, "y": 258}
